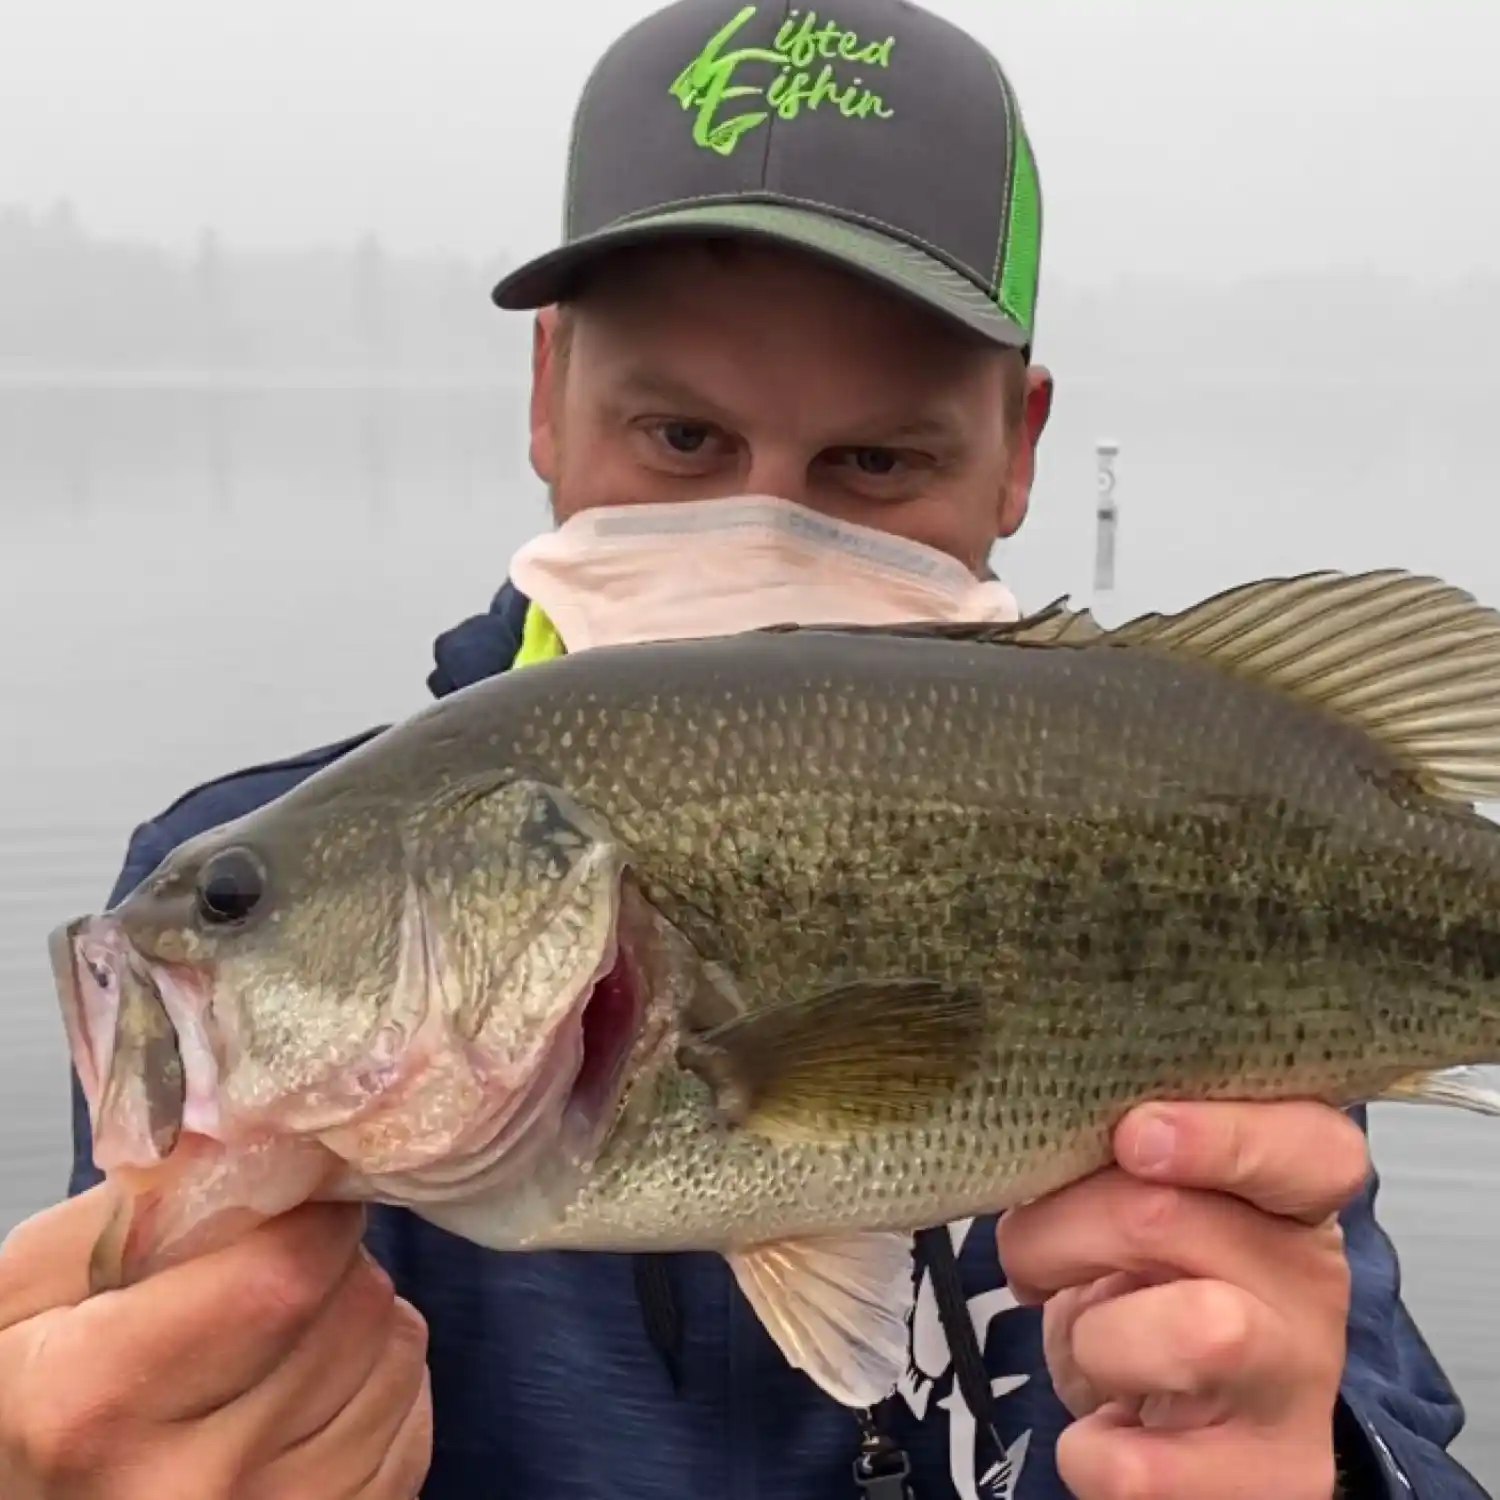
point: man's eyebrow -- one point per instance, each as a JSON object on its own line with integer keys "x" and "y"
{"x": 652, "y": 385}
{"x": 934, "y": 427}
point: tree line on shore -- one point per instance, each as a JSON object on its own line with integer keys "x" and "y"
{"x": 75, "y": 301}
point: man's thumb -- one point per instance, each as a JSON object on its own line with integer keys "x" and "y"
{"x": 44, "y": 1261}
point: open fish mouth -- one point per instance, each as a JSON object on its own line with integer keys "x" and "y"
{"x": 124, "y": 1042}
{"x": 90, "y": 1011}
{"x": 151, "y": 1080}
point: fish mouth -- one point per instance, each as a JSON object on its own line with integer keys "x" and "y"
{"x": 139, "y": 1044}
{"x": 88, "y": 1015}
{"x": 143, "y": 1058}
{"x": 123, "y": 1042}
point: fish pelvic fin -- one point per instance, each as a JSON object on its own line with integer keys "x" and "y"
{"x": 861, "y": 1055}
{"x": 837, "y": 1307}
{"x": 1459, "y": 1088}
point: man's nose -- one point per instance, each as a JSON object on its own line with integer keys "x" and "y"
{"x": 778, "y": 473}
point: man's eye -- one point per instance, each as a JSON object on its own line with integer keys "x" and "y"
{"x": 687, "y": 438}
{"x": 879, "y": 463}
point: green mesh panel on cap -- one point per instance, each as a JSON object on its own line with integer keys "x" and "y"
{"x": 1023, "y": 238}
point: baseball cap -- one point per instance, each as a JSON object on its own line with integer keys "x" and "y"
{"x": 873, "y": 134}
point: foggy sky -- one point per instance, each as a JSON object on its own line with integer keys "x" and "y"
{"x": 1207, "y": 138}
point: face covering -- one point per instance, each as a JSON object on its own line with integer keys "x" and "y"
{"x": 632, "y": 573}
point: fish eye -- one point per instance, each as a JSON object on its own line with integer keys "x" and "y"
{"x": 230, "y": 887}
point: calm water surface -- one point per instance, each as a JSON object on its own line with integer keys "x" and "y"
{"x": 192, "y": 580}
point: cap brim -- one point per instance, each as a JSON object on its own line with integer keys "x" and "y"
{"x": 890, "y": 262}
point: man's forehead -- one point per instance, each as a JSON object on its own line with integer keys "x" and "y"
{"x": 889, "y": 409}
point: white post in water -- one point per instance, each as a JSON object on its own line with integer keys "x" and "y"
{"x": 1106, "y": 517}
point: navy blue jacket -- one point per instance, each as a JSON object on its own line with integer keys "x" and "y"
{"x": 548, "y": 1384}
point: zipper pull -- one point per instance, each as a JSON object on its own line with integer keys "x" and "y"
{"x": 882, "y": 1471}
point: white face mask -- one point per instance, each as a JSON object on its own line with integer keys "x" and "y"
{"x": 629, "y": 573}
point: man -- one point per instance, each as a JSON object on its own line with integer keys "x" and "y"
{"x": 832, "y": 225}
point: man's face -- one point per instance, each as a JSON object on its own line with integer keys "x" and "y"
{"x": 697, "y": 372}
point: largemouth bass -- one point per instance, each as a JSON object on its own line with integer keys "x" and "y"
{"x": 788, "y": 944}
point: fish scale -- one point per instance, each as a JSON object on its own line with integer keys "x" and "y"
{"x": 788, "y": 944}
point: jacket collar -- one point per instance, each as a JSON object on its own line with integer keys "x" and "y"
{"x": 481, "y": 646}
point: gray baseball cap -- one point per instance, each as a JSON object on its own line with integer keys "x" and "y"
{"x": 873, "y": 134}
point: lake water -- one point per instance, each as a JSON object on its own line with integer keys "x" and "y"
{"x": 197, "y": 579}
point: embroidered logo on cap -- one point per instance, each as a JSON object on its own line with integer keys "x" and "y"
{"x": 819, "y": 65}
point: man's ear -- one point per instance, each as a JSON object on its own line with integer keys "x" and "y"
{"x": 1021, "y": 470}
{"x": 546, "y": 394}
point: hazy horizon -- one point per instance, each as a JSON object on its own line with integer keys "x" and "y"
{"x": 76, "y": 301}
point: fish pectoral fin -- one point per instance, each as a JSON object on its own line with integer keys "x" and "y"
{"x": 1461, "y": 1088}
{"x": 858, "y": 1056}
{"x": 836, "y": 1306}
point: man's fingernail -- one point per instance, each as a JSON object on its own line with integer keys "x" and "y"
{"x": 1155, "y": 1144}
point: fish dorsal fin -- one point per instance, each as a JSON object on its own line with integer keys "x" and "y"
{"x": 1411, "y": 661}
{"x": 1054, "y": 625}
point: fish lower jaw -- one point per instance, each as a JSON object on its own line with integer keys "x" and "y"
{"x": 205, "y": 1195}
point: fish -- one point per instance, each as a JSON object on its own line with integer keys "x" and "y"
{"x": 789, "y": 944}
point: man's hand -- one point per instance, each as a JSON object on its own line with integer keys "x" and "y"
{"x": 281, "y": 1367}
{"x": 1196, "y": 1297}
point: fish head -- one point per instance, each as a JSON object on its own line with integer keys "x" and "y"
{"x": 350, "y": 996}
{"x": 274, "y": 948}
